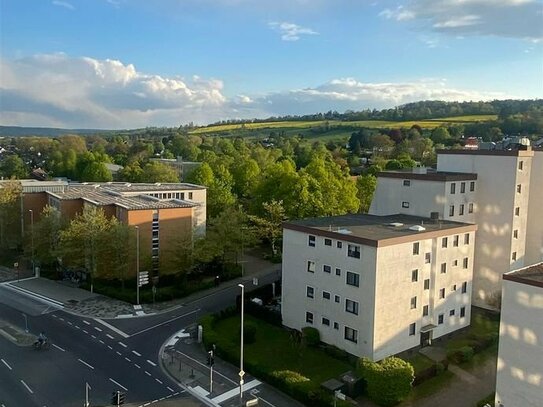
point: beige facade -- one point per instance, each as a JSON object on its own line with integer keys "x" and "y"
{"x": 359, "y": 280}
{"x": 534, "y": 229}
{"x": 519, "y": 379}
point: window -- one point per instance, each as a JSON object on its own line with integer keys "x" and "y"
{"x": 461, "y": 210}
{"x": 412, "y": 328}
{"x": 444, "y": 242}
{"x": 462, "y": 187}
{"x": 351, "y": 306}
{"x": 328, "y": 242}
{"x": 519, "y": 188}
{"x": 470, "y": 208}
{"x": 441, "y": 293}
{"x": 453, "y": 188}
{"x": 520, "y": 165}
{"x": 462, "y": 312}
{"x": 351, "y": 334}
{"x": 453, "y": 288}
{"x": 514, "y": 256}
{"x": 155, "y": 216}
{"x": 326, "y": 295}
{"x": 428, "y": 258}
{"x": 309, "y": 317}
{"x": 336, "y": 325}
{"x": 451, "y": 313}
{"x": 455, "y": 240}
{"x": 325, "y": 321}
{"x": 427, "y": 284}
{"x": 451, "y": 210}
{"x": 353, "y": 279}
{"x": 443, "y": 268}
{"x": 405, "y": 204}
{"x": 466, "y": 238}
{"x": 338, "y": 272}
{"x": 327, "y": 269}
{"x": 339, "y": 245}
{"x": 440, "y": 319}
{"x": 406, "y": 183}
{"x": 465, "y": 263}
{"x": 515, "y": 233}
{"x": 310, "y": 292}
{"x": 455, "y": 263}
{"x": 311, "y": 241}
{"x": 337, "y": 299}
{"x": 413, "y": 302}
{"x": 472, "y": 186}
{"x": 517, "y": 211}
{"x": 190, "y": 195}
{"x": 464, "y": 287}
{"x": 416, "y": 248}
{"x": 425, "y": 311}
{"x": 310, "y": 266}
{"x": 414, "y": 276}
{"x": 353, "y": 251}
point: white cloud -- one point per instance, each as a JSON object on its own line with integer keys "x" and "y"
{"x": 504, "y": 18}
{"x": 291, "y": 31}
{"x": 64, "y": 4}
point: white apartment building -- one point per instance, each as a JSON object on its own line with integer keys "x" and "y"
{"x": 499, "y": 190}
{"x": 377, "y": 285}
{"x": 519, "y": 379}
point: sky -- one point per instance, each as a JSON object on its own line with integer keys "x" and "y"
{"x": 115, "y": 64}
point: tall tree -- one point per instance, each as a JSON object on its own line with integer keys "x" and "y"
{"x": 13, "y": 166}
{"x": 270, "y": 226}
{"x": 46, "y": 235}
{"x": 365, "y": 184}
{"x": 10, "y": 214}
{"x": 154, "y": 171}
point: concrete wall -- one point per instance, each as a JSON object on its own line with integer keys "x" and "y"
{"x": 519, "y": 380}
{"x": 534, "y": 231}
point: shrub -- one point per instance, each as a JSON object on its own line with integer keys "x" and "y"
{"x": 461, "y": 355}
{"x": 389, "y": 381}
{"x": 290, "y": 377}
{"x": 311, "y": 336}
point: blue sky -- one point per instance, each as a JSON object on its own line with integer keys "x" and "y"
{"x": 134, "y": 63}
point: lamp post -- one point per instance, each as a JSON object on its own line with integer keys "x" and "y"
{"x": 241, "y": 372}
{"x": 138, "y": 265}
{"x": 87, "y": 388}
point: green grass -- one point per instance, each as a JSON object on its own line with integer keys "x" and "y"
{"x": 420, "y": 362}
{"x": 468, "y": 119}
{"x": 273, "y": 350}
{"x": 430, "y": 386}
{"x": 481, "y": 325}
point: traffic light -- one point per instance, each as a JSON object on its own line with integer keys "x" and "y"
{"x": 210, "y": 358}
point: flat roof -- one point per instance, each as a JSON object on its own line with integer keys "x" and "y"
{"x": 531, "y": 275}
{"x": 378, "y": 231}
{"x": 527, "y": 152}
{"x": 429, "y": 175}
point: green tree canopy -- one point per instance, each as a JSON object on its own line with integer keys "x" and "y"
{"x": 13, "y": 166}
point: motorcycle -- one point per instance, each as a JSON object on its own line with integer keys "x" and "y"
{"x": 41, "y": 345}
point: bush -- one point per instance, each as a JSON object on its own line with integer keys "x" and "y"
{"x": 290, "y": 377}
{"x": 311, "y": 336}
{"x": 461, "y": 355}
{"x": 389, "y": 381}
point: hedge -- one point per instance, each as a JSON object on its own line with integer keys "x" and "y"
{"x": 432, "y": 371}
{"x": 311, "y": 336}
{"x": 461, "y": 355}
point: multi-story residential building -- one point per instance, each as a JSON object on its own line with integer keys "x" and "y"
{"x": 519, "y": 379}
{"x": 491, "y": 188}
{"x": 377, "y": 285}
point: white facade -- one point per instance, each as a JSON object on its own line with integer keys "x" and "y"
{"x": 387, "y": 294}
{"x": 534, "y": 230}
{"x": 519, "y": 379}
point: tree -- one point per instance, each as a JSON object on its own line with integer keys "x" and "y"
{"x": 365, "y": 185}
{"x": 46, "y": 235}
{"x": 440, "y": 135}
{"x": 154, "y": 171}
{"x": 13, "y": 167}
{"x": 10, "y": 213}
{"x": 270, "y": 227}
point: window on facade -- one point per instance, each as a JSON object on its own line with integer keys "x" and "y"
{"x": 427, "y": 284}
{"x": 453, "y": 288}
{"x": 462, "y": 187}
{"x": 328, "y": 242}
{"x": 443, "y": 268}
{"x": 353, "y": 279}
{"x": 466, "y": 238}
{"x": 515, "y": 233}
{"x": 311, "y": 266}
{"x": 453, "y": 188}
{"x": 444, "y": 242}
{"x": 339, "y": 245}
{"x": 190, "y": 195}
{"x": 405, "y": 204}
{"x": 325, "y": 321}
{"x": 406, "y": 182}
{"x": 440, "y": 318}
{"x": 336, "y": 325}
{"x": 451, "y": 210}
{"x": 412, "y": 328}
{"x": 416, "y": 248}
{"x": 472, "y": 186}
{"x": 337, "y": 299}
{"x": 413, "y": 302}
{"x": 154, "y": 251}
{"x": 470, "y": 208}
{"x": 309, "y": 317}
{"x": 461, "y": 210}
{"x": 519, "y": 188}
{"x": 455, "y": 263}
{"x": 155, "y": 216}
{"x": 441, "y": 293}
{"x": 514, "y": 256}
{"x": 520, "y": 165}
{"x": 310, "y": 292}
{"x": 456, "y": 238}
{"x": 414, "y": 276}
{"x": 465, "y": 263}
{"x": 428, "y": 258}
{"x": 338, "y": 272}
{"x": 311, "y": 241}
{"x": 351, "y": 306}
{"x": 464, "y": 287}
{"x": 351, "y": 334}
{"x": 353, "y": 251}
{"x": 425, "y": 311}
{"x": 517, "y": 211}
{"x": 326, "y": 295}
{"x": 327, "y": 269}
{"x": 462, "y": 312}
{"x": 451, "y": 313}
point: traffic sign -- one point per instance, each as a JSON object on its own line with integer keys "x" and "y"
{"x": 241, "y": 373}
{"x": 143, "y": 278}
{"x": 340, "y": 395}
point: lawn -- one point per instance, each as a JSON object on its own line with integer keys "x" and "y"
{"x": 481, "y": 326}
{"x": 420, "y": 362}
{"x": 274, "y": 350}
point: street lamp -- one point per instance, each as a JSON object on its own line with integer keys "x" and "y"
{"x": 32, "y": 238}
{"x": 241, "y": 372}
{"x": 138, "y": 265}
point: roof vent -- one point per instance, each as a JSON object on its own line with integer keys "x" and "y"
{"x": 344, "y": 231}
{"x": 395, "y": 224}
{"x": 417, "y": 228}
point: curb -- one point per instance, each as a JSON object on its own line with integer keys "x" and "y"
{"x": 34, "y": 295}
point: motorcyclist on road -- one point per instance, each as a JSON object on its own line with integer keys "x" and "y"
{"x": 42, "y": 338}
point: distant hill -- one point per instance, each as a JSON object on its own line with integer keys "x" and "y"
{"x": 16, "y": 131}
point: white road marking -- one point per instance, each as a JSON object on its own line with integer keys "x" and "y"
{"x": 122, "y": 344}
{"x": 86, "y": 364}
{"x": 93, "y": 337}
{"x": 85, "y": 332}
{"x": 114, "y": 329}
{"x": 28, "y": 388}
{"x": 98, "y": 329}
{"x": 109, "y": 336}
{"x": 128, "y": 360}
{"x": 69, "y": 323}
{"x": 109, "y": 347}
{"x": 138, "y": 366}
{"x": 165, "y": 322}
{"x": 158, "y": 381}
{"x": 54, "y": 316}
{"x": 101, "y": 341}
{"x": 118, "y": 353}
{"x": 151, "y": 363}
{"x": 59, "y": 348}
{"x": 86, "y": 322}
{"x": 118, "y": 384}
{"x": 136, "y": 353}
{"x": 6, "y": 363}
{"x": 200, "y": 363}
{"x": 62, "y": 319}
{"x": 234, "y": 392}
{"x": 147, "y": 373}
{"x": 172, "y": 390}
{"x": 77, "y": 326}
